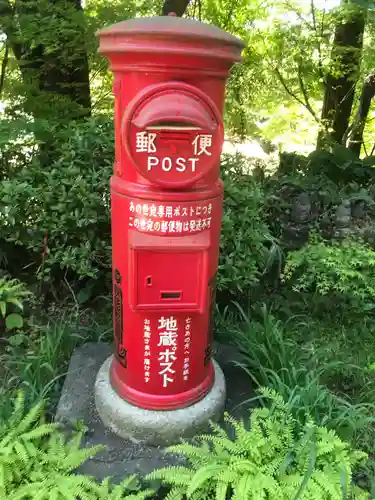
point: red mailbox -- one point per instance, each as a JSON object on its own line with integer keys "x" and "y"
{"x": 166, "y": 203}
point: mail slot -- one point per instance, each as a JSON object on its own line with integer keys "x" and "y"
{"x": 166, "y": 204}
{"x": 171, "y": 295}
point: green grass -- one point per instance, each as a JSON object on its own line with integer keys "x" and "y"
{"x": 302, "y": 372}
{"x": 37, "y": 360}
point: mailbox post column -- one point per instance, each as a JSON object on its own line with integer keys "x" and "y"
{"x": 166, "y": 203}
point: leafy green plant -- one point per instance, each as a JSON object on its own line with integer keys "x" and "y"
{"x": 37, "y": 360}
{"x": 273, "y": 459}
{"x": 341, "y": 269}
{"x": 12, "y": 293}
{"x": 37, "y": 461}
{"x": 66, "y": 228}
{"x": 60, "y": 216}
{"x": 341, "y": 166}
{"x": 247, "y": 247}
{"x": 273, "y": 358}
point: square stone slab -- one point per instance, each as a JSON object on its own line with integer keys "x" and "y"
{"x": 123, "y": 457}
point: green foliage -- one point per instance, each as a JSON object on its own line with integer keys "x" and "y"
{"x": 345, "y": 268}
{"x": 48, "y": 73}
{"x": 341, "y": 166}
{"x": 38, "y": 462}
{"x": 246, "y": 80}
{"x": 37, "y": 360}
{"x": 63, "y": 210}
{"x": 271, "y": 460}
{"x": 12, "y": 293}
{"x": 326, "y": 192}
{"x": 107, "y": 491}
{"x": 247, "y": 246}
{"x": 331, "y": 172}
{"x": 273, "y": 358}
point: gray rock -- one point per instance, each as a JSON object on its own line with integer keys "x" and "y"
{"x": 301, "y": 210}
{"x": 343, "y": 215}
{"x": 295, "y": 236}
{"x": 358, "y": 209}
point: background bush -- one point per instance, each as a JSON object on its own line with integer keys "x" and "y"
{"x": 62, "y": 209}
{"x": 338, "y": 271}
{"x": 55, "y": 221}
{"x": 247, "y": 243}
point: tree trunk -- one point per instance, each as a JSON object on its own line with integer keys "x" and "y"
{"x": 47, "y": 38}
{"x": 176, "y": 6}
{"x": 340, "y": 84}
{"x": 55, "y": 71}
{"x": 69, "y": 76}
{"x": 367, "y": 94}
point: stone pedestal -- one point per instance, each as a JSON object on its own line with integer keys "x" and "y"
{"x": 157, "y": 427}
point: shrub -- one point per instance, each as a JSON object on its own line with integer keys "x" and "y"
{"x": 329, "y": 191}
{"x": 341, "y": 270}
{"x": 60, "y": 215}
{"x": 272, "y": 460}
{"x": 247, "y": 246}
{"x": 63, "y": 210}
{"x": 37, "y": 461}
{"x": 339, "y": 166}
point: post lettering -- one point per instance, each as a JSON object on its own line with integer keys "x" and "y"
{"x": 152, "y": 161}
{"x": 181, "y": 164}
{"x": 166, "y": 164}
{"x": 193, "y": 162}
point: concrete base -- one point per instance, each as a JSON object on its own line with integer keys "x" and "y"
{"x": 156, "y": 427}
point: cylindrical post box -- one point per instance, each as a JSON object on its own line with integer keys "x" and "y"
{"x": 166, "y": 204}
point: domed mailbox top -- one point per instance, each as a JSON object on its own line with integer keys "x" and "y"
{"x": 169, "y": 33}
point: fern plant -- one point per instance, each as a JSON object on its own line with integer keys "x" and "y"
{"x": 106, "y": 491}
{"x": 269, "y": 461}
{"x": 37, "y": 462}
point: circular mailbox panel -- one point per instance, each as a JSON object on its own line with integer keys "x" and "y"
{"x": 173, "y": 134}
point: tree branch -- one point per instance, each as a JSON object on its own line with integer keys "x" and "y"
{"x": 305, "y": 94}
{"x": 229, "y": 16}
{"x": 176, "y": 6}
{"x": 299, "y": 15}
{"x": 6, "y": 10}
{"x": 367, "y": 95}
{"x": 283, "y": 83}
{"x": 319, "y": 47}
{"x": 4, "y": 65}
{"x": 292, "y": 94}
